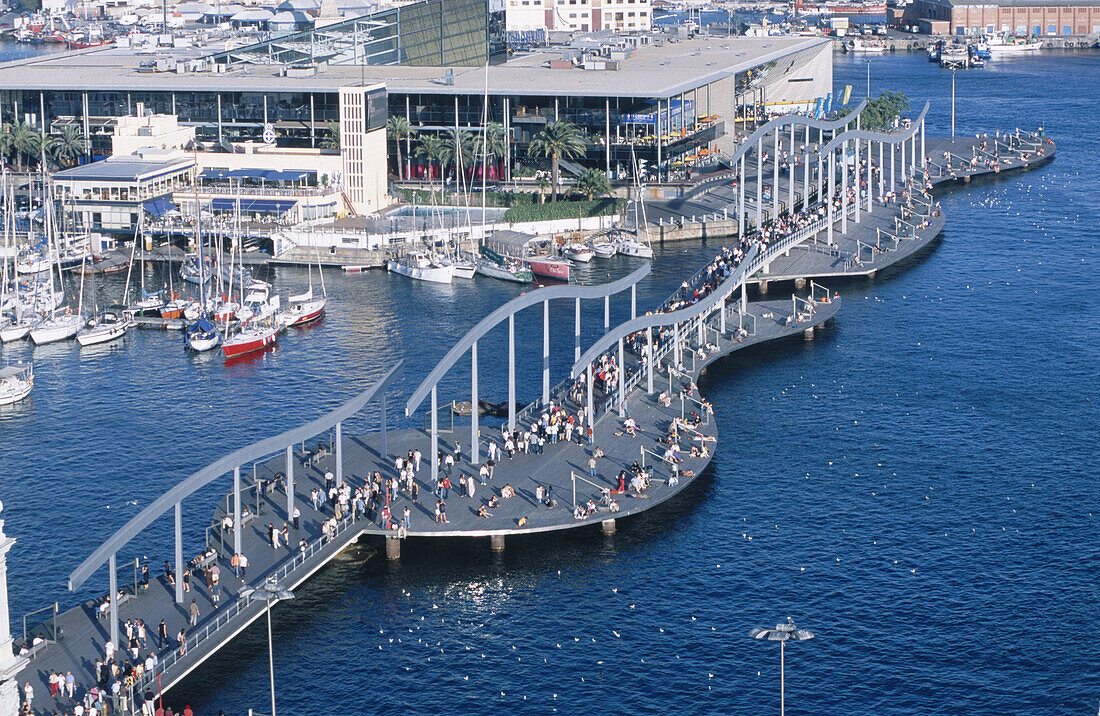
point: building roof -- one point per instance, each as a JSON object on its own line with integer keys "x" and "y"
{"x": 650, "y": 72}
{"x": 126, "y": 168}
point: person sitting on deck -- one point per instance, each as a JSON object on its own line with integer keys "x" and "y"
{"x": 631, "y": 427}
{"x": 578, "y": 513}
{"x": 507, "y": 492}
{"x": 673, "y": 480}
{"x": 590, "y": 508}
{"x": 613, "y": 506}
{"x": 598, "y": 453}
{"x": 664, "y": 399}
{"x": 483, "y": 511}
{"x": 494, "y": 502}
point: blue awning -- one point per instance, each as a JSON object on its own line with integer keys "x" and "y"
{"x": 158, "y": 207}
{"x": 257, "y": 174}
{"x": 255, "y": 206}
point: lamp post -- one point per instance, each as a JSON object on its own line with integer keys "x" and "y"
{"x": 782, "y": 633}
{"x": 270, "y": 592}
{"x": 868, "y": 78}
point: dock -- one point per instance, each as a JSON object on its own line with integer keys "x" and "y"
{"x": 651, "y": 363}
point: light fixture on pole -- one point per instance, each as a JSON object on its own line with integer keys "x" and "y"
{"x": 270, "y": 592}
{"x": 782, "y": 633}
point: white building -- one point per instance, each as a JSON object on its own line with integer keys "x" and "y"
{"x": 579, "y": 15}
{"x": 363, "y": 115}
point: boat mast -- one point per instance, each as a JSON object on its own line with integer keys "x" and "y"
{"x": 198, "y": 240}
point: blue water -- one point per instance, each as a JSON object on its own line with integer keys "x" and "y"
{"x": 919, "y": 483}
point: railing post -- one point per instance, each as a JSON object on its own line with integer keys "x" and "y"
{"x": 844, "y": 187}
{"x": 870, "y": 180}
{"x": 179, "y": 552}
{"x": 893, "y": 175}
{"x": 511, "y": 371}
{"x": 546, "y": 352}
{"x": 622, "y": 380}
{"x": 722, "y": 315}
{"x": 237, "y": 510}
{"x": 588, "y": 401}
{"x": 740, "y": 204}
{"x": 677, "y": 355}
{"x": 113, "y": 579}
{"x": 832, "y": 190}
{"x": 923, "y": 154}
{"x": 474, "y": 445}
{"x": 744, "y": 296}
{"x": 577, "y": 330}
{"x": 649, "y": 357}
{"x": 433, "y": 459}
{"x": 339, "y": 455}
{"x": 855, "y": 177}
{"x": 289, "y": 481}
{"x": 775, "y": 176}
{"x": 759, "y": 179}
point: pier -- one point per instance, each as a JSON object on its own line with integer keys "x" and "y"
{"x": 635, "y": 388}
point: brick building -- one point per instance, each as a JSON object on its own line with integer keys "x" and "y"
{"x": 1041, "y": 18}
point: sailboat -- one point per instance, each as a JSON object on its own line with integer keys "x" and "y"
{"x": 202, "y": 335}
{"x": 57, "y": 327}
{"x": 630, "y": 245}
{"x": 16, "y": 382}
{"x": 102, "y": 327}
{"x": 304, "y": 307}
{"x": 22, "y": 320}
{"x": 261, "y": 321}
{"x": 494, "y": 265}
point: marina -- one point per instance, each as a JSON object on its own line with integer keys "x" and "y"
{"x": 637, "y": 429}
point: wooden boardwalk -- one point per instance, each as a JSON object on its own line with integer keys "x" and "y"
{"x": 78, "y": 642}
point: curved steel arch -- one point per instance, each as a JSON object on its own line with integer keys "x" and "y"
{"x": 531, "y": 298}
{"x": 883, "y": 137}
{"x": 786, "y": 119}
{"x": 653, "y": 320}
{"x": 219, "y": 467}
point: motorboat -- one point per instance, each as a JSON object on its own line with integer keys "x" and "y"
{"x": 16, "y": 382}
{"x": 149, "y": 305}
{"x": 999, "y": 46}
{"x": 421, "y": 265}
{"x": 174, "y": 308}
{"x": 556, "y": 269}
{"x": 191, "y": 272}
{"x": 465, "y": 268}
{"x": 304, "y": 308}
{"x": 259, "y": 304}
{"x": 630, "y": 246}
{"x": 57, "y": 328}
{"x": 578, "y": 252}
{"x": 19, "y": 328}
{"x": 202, "y": 335}
{"x": 251, "y": 338}
{"x": 604, "y": 249}
{"x": 106, "y": 328}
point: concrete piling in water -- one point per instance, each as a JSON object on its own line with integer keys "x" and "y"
{"x": 763, "y": 286}
{"x": 393, "y": 548}
{"x": 800, "y": 283}
{"x": 608, "y": 527}
{"x": 808, "y": 334}
{"x": 496, "y": 543}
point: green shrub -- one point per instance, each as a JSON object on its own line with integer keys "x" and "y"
{"x": 563, "y": 210}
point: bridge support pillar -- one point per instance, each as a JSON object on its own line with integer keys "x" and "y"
{"x": 763, "y": 286}
{"x": 608, "y": 527}
{"x": 800, "y": 283}
{"x": 393, "y": 548}
{"x": 871, "y": 274}
{"x": 808, "y": 334}
{"x": 496, "y": 543}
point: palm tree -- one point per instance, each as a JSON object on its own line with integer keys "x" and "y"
{"x": 496, "y": 143}
{"x": 331, "y": 140}
{"x": 21, "y": 139}
{"x": 593, "y": 183}
{"x": 459, "y": 149}
{"x": 430, "y": 147}
{"x": 66, "y": 146}
{"x": 399, "y": 130}
{"x": 559, "y": 140}
{"x": 542, "y": 183}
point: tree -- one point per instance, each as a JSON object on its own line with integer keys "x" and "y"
{"x": 22, "y": 140}
{"x": 331, "y": 140}
{"x": 559, "y": 140}
{"x": 458, "y": 152}
{"x": 496, "y": 143}
{"x": 542, "y": 183}
{"x": 67, "y": 146}
{"x": 881, "y": 111}
{"x": 593, "y": 183}
{"x": 399, "y": 130}
{"x": 430, "y": 147}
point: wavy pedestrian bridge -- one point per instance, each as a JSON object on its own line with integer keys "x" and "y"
{"x": 639, "y": 431}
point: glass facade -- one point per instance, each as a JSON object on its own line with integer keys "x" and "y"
{"x": 430, "y": 33}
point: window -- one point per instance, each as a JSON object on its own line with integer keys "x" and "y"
{"x": 1067, "y": 30}
{"x": 1051, "y": 29}
{"x": 1037, "y": 30}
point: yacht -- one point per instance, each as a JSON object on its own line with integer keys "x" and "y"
{"x": 421, "y": 265}
{"x": 107, "y": 328}
{"x": 630, "y": 246}
{"x": 577, "y": 252}
{"x": 16, "y": 382}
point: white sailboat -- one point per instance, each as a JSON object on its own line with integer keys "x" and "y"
{"x": 305, "y": 307}
{"x": 59, "y": 326}
{"x": 604, "y": 249}
{"x": 200, "y": 335}
{"x": 16, "y": 382}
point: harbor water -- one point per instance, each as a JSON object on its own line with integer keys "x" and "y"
{"x": 917, "y": 486}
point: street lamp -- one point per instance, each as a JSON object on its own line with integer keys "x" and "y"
{"x": 868, "y": 78}
{"x": 270, "y": 592}
{"x": 952, "y": 102}
{"x": 782, "y": 633}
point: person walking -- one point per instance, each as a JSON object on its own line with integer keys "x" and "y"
{"x": 592, "y": 466}
{"x": 296, "y": 516}
{"x": 194, "y": 612}
{"x": 244, "y": 565}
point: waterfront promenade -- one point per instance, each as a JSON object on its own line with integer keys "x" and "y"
{"x": 659, "y": 395}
